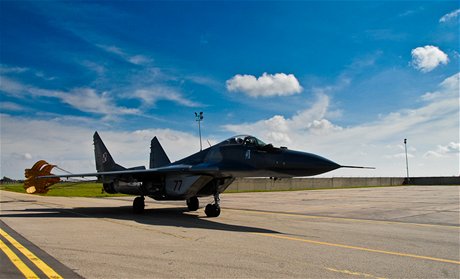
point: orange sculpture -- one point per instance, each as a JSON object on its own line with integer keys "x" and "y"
{"x": 34, "y": 183}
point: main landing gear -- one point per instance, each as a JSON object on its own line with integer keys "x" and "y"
{"x": 138, "y": 205}
{"x": 213, "y": 210}
{"x": 193, "y": 203}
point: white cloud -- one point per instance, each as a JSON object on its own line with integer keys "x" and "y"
{"x": 4, "y": 69}
{"x": 136, "y": 59}
{"x": 95, "y": 67}
{"x": 448, "y": 86}
{"x": 281, "y": 130}
{"x": 322, "y": 126}
{"x": 429, "y": 96}
{"x": 452, "y": 147}
{"x": 11, "y": 87}
{"x": 205, "y": 80}
{"x": 88, "y": 100}
{"x": 451, "y": 83}
{"x": 266, "y": 85}
{"x": 427, "y": 58}
{"x": 27, "y": 156}
{"x": 42, "y": 75}
{"x": 444, "y": 150}
{"x": 83, "y": 99}
{"x": 144, "y": 81}
{"x": 156, "y": 93}
{"x": 399, "y": 156}
{"x": 9, "y": 106}
{"x": 450, "y": 16}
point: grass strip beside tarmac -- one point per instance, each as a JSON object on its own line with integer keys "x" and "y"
{"x": 86, "y": 189}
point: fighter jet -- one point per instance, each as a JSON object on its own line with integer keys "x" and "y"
{"x": 206, "y": 173}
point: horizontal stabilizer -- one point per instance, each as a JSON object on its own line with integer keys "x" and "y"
{"x": 158, "y": 157}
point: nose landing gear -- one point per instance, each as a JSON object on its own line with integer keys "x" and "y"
{"x": 213, "y": 210}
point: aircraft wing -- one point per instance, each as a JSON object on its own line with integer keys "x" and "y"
{"x": 166, "y": 169}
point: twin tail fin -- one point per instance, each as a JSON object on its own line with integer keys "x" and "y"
{"x": 105, "y": 161}
{"x": 158, "y": 157}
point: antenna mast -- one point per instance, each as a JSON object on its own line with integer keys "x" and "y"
{"x": 199, "y": 118}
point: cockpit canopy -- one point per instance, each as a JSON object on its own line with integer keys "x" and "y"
{"x": 244, "y": 140}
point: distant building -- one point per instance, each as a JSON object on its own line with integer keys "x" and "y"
{"x": 7, "y": 180}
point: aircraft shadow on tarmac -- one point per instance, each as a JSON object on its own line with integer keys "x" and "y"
{"x": 172, "y": 217}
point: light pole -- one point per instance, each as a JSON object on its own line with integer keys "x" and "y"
{"x": 407, "y": 162}
{"x": 199, "y": 118}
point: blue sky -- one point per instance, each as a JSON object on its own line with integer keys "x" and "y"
{"x": 348, "y": 80}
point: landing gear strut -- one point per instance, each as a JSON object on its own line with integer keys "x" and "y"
{"x": 193, "y": 203}
{"x": 138, "y": 205}
{"x": 213, "y": 210}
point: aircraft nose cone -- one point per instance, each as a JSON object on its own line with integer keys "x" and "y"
{"x": 326, "y": 164}
{"x": 306, "y": 164}
{"x": 320, "y": 164}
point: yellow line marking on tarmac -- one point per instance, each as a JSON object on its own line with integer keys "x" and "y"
{"x": 31, "y": 256}
{"x": 340, "y": 218}
{"x": 348, "y": 272}
{"x": 360, "y": 248}
{"x": 25, "y": 270}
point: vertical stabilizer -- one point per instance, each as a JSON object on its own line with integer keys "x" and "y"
{"x": 104, "y": 161}
{"x": 158, "y": 157}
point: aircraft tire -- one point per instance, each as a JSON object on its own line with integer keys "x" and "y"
{"x": 138, "y": 205}
{"x": 193, "y": 204}
{"x": 212, "y": 210}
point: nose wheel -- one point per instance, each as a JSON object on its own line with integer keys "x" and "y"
{"x": 213, "y": 210}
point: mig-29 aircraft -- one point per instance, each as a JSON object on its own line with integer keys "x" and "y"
{"x": 206, "y": 173}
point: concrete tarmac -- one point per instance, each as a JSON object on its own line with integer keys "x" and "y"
{"x": 392, "y": 232}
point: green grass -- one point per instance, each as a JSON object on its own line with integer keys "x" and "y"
{"x": 13, "y": 188}
{"x": 66, "y": 190}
